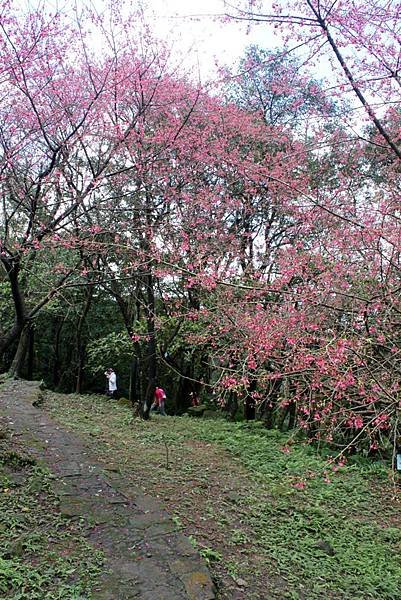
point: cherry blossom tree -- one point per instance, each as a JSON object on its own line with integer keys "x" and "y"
{"x": 332, "y": 325}
{"x": 70, "y": 119}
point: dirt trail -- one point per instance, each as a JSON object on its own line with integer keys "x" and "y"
{"x": 146, "y": 558}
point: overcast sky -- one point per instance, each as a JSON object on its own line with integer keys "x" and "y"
{"x": 196, "y": 30}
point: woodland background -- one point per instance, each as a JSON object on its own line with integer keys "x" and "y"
{"x": 238, "y": 240}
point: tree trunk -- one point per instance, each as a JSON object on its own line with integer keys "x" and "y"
{"x": 56, "y": 363}
{"x": 293, "y": 415}
{"x": 250, "y": 404}
{"x": 281, "y": 416}
{"x": 80, "y": 368}
{"x": 19, "y": 358}
{"x": 80, "y": 348}
{"x": 267, "y": 413}
{"x": 185, "y": 388}
{"x": 249, "y": 409}
{"x": 12, "y": 269}
{"x": 31, "y": 344}
{"x": 232, "y": 405}
{"x": 134, "y": 396}
{"x": 150, "y": 356}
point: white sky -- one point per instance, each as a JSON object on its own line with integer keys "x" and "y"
{"x": 196, "y": 32}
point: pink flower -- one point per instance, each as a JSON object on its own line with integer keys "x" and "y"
{"x": 252, "y": 363}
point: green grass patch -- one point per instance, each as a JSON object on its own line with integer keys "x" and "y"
{"x": 292, "y": 525}
{"x": 342, "y": 512}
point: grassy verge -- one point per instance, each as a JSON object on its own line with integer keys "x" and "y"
{"x": 266, "y": 515}
{"x": 42, "y": 555}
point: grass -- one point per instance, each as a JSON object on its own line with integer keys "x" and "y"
{"x": 42, "y": 555}
{"x": 268, "y": 515}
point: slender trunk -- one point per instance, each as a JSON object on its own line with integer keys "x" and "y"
{"x": 80, "y": 347}
{"x": 267, "y": 414}
{"x": 80, "y": 368}
{"x": 250, "y": 404}
{"x": 13, "y": 269}
{"x": 232, "y": 405}
{"x": 289, "y": 409}
{"x": 133, "y": 381}
{"x": 185, "y": 387}
{"x": 31, "y": 344}
{"x": 293, "y": 415}
{"x": 281, "y": 417}
{"x": 56, "y": 363}
{"x": 151, "y": 363}
{"x": 19, "y": 358}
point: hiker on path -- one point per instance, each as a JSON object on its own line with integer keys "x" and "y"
{"x": 112, "y": 382}
{"x": 159, "y": 400}
{"x": 194, "y": 399}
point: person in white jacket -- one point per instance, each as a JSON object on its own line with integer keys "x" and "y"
{"x": 112, "y": 383}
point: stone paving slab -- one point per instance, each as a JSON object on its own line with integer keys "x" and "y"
{"x": 146, "y": 558}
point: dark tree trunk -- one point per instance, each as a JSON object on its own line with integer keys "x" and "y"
{"x": 269, "y": 405}
{"x": 150, "y": 356}
{"x": 289, "y": 410}
{"x": 250, "y": 404}
{"x": 232, "y": 405}
{"x": 80, "y": 347}
{"x": 249, "y": 409}
{"x": 293, "y": 415}
{"x": 12, "y": 269}
{"x": 267, "y": 413}
{"x": 80, "y": 368}
{"x": 185, "y": 388}
{"x": 31, "y": 344}
{"x": 19, "y": 358}
{"x": 134, "y": 395}
{"x": 281, "y": 416}
{"x": 56, "y": 363}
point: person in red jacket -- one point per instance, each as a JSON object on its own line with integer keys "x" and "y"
{"x": 159, "y": 399}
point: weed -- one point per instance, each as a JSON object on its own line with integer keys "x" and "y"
{"x": 210, "y": 555}
{"x": 177, "y": 521}
{"x": 239, "y": 537}
{"x": 16, "y": 460}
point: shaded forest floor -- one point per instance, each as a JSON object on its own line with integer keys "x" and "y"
{"x": 265, "y": 513}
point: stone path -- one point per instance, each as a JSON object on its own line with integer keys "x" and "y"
{"x": 146, "y": 558}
